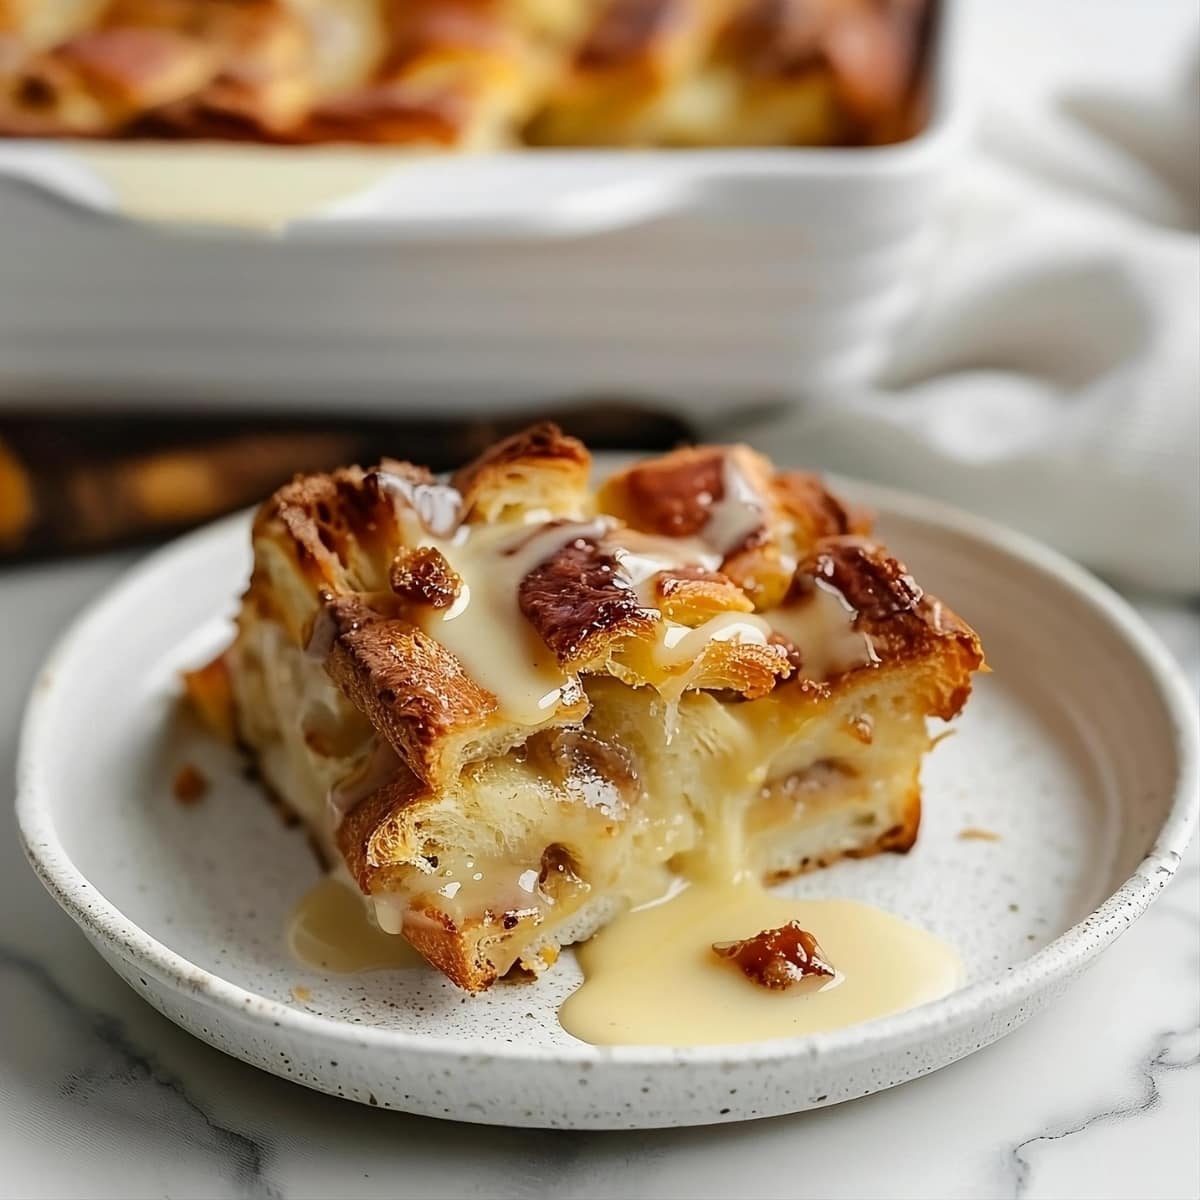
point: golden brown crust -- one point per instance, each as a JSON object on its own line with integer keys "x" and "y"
{"x": 97, "y": 82}
{"x": 681, "y": 494}
{"x": 132, "y": 68}
{"x": 903, "y": 623}
{"x": 870, "y": 50}
{"x": 262, "y": 76}
{"x": 774, "y": 38}
{"x": 386, "y": 114}
{"x": 538, "y": 469}
{"x": 671, "y": 495}
{"x": 677, "y": 494}
{"x": 435, "y": 936}
{"x": 412, "y": 689}
{"x": 461, "y": 952}
{"x": 373, "y": 836}
{"x": 763, "y": 571}
{"x": 777, "y": 517}
{"x": 335, "y": 523}
{"x": 786, "y": 71}
{"x": 815, "y": 511}
{"x": 692, "y": 595}
{"x": 465, "y": 74}
{"x": 625, "y": 31}
{"x": 579, "y": 607}
{"x": 873, "y": 54}
{"x": 877, "y": 586}
{"x": 744, "y": 668}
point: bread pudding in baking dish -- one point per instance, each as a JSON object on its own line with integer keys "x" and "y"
{"x": 466, "y": 74}
{"x": 512, "y": 706}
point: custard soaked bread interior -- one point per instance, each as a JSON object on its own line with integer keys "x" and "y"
{"x": 513, "y": 706}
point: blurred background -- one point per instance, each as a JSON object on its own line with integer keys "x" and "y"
{"x": 946, "y": 245}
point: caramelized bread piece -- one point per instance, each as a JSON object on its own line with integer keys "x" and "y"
{"x": 513, "y": 707}
{"x": 411, "y": 688}
{"x": 744, "y": 72}
{"x": 448, "y": 73}
{"x": 754, "y": 521}
{"x": 97, "y": 83}
{"x": 539, "y": 470}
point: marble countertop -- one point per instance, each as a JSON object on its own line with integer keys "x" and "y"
{"x": 100, "y": 1096}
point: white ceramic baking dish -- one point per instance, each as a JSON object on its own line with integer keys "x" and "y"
{"x": 700, "y": 279}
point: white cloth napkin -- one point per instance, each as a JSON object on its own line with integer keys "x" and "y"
{"x": 1051, "y": 378}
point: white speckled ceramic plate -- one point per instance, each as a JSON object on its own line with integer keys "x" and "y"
{"x": 1079, "y": 752}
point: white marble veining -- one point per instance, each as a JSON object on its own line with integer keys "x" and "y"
{"x": 100, "y": 1096}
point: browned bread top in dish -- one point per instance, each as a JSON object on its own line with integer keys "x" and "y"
{"x": 464, "y": 74}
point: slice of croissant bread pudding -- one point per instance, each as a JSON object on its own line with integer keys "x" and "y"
{"x": 513, "y": 706}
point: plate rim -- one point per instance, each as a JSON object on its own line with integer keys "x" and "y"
{"x": 1057, "y": 962}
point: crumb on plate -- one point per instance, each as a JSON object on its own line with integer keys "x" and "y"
{"x": 190, "y": 785}
{"x": 972, "y": 833}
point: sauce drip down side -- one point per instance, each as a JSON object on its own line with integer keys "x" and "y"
{"x": 331, "y": 931}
